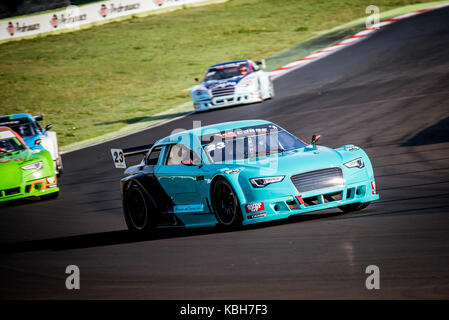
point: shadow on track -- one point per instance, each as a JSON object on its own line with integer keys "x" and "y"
{"x": 124, "y": 236}
{"x": 437, "y": 133}
{"x": 23, "y": 202}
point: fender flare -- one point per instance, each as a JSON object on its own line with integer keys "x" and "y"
{"x": 234, "y": 184}
{"x": 127, "y": 184}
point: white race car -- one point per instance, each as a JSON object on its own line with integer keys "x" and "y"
{"x": 233, "y": 82}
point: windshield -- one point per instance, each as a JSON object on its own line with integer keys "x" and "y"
{"x": 22, "y": 126}
{"x": 227, "y": 71}
{"x": 10, "y": 145}
{"x": 249, "y": 142}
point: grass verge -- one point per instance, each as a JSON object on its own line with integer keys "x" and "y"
{"x": 128, "y": 73}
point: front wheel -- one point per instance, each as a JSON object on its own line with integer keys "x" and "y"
{"x": 138, "y": 210}
{"x": 225, "y": 204}
{"x": 354, "y": 207}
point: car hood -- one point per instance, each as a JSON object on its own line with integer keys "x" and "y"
{"x": 290, "y": 162}
{"x": 225, "y": 83}
{"x": 10, "y": 172}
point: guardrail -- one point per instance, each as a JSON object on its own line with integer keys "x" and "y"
{"x": 74, "y": 17}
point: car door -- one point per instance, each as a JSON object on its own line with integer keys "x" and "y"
{"x": 182, "y": 181}
{"x": 150, "y": 182}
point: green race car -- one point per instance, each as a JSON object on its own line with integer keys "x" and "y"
{"x": 24, "y": 172}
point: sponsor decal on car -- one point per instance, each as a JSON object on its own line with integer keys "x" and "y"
{"x": 223, "y": 85}
{"x": 230, "y": 171}
{"x": 15, "y": 159}
{"x": 351, "y": 148}
{"x": 257, "y": 215}
{"x": 188, "y": 208}
{"x": 254, "y": 207}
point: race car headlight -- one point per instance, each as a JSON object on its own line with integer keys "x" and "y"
{"x": 357, "y": 163}
{"x": 201, "y": 92}
{"x": 33, "y": 166}
{"x": 263, "y": 182}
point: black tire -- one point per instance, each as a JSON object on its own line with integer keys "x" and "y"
{"x": 354, "y": 207}
{"x": 50, "y": 196}
{"x": 225, "y": 204}
{"x": 138, "y": 210}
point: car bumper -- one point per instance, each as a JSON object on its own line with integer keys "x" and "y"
{"x": 34, "y": 188}
{"x": 226, "y": 101}
{"x": 284, "y": 207}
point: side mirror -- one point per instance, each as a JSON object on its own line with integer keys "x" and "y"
{"x": 39, "y": 118}
{"x": 315, "y": 138}
{"x": 37, "y": 142}
{"x": 48, "y": 127}
{"x": 261, "y": 63}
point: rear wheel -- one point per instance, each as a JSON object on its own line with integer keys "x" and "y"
{"x": 138, "y": 210}
{"x": 354, "y": 207}
{"x": 225, "y": 203}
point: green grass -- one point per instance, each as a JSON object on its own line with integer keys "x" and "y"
{"x": 105, "y": 78}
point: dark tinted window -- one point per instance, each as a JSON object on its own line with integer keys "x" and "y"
{"x": 248, "y": 142}
{"x": 154, "y": 156}
{"x": 10, "y": 145}
{"x": 227, "y": 71}
{"x": 22, "y": 126}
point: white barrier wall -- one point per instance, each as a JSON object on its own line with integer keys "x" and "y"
{"x": 74, "y": 17}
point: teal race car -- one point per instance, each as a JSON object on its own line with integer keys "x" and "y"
{"x": 25, "y": 172}
{"x": 239, "y": 173}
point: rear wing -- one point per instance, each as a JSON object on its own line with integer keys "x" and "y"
{"x": 119, "y": 155}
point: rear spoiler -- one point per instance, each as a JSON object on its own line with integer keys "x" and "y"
{"x": 119, "y": 155}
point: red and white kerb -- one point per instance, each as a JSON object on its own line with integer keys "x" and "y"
{"x": 336, "y": 47}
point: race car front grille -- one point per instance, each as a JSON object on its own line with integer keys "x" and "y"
{"x": 219, "y": 92}
{"x": 10, "y": 192}
{"x": 318, "y": 179}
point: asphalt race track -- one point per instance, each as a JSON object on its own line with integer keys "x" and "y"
{"x": 388, "y": 94}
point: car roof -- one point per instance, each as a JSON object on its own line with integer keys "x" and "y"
{"x": 16, "y": 116}
{"x": 224, "y": 126}
{"x": 228, "y": 62}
